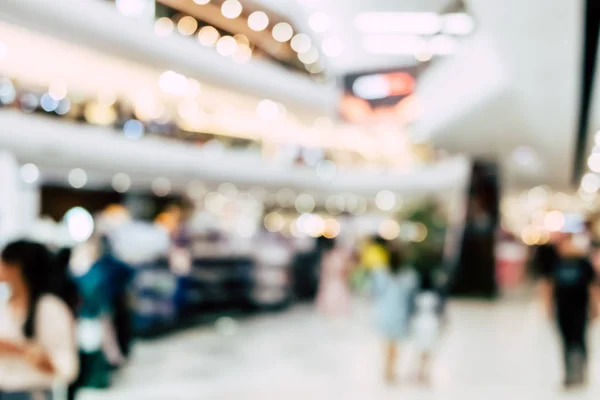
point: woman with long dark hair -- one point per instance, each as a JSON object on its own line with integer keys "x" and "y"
{"x": 37, "y": 334}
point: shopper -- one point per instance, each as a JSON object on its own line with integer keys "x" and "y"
{"x": 105, "y": 321}
{"x": 37, "y": 334}
{"x": 570, "y": 291}
{"x": 394, "y": 289}
{"x": 333, "y": 298}
{"x": 426, "y": 330}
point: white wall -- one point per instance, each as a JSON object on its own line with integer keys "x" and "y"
{"x": 19, "y": 202}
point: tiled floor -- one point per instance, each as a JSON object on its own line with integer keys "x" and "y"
{"x": 490, "y": 351}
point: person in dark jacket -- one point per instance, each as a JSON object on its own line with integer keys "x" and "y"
{"x": 570, "y": 290}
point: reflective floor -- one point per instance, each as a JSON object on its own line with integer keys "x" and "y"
{"x": 503, "y": 350}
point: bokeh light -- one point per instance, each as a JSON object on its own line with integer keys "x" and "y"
{"x": 208, "y": 36}
{"x": 389, "y": 229}
{"x": 187, "y": 25}
{"x": 133, "y": 129}
{"x": 80, "y": 224}
{"x": 282, "y": 32}
{"x": 30, "y": 173}
{"x": 77, "y": 178}
{"x": 590, "y": 183}
{"x": 385, "y": 200}
{"x": 161, "y": 187}
{"x": 173, "y": 83}
{"x": 301, "y": 43}
{"x": 331, "y": 229}
{"x": 305, "y": 203}
{"x": 258, "y": 21}
{"x": 227, "y": 46}
{"x": 164, "y": 27}
{"x": 267, "y": 110}
{"x": 274, "y": 222}
{"x": 554, "y": 221}
{"x": 231, "y": 9}
{"x": 121, "y": 182}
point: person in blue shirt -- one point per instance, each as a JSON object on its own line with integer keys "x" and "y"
{"x": 103, "y": 291}
{"x": 395, "y": 287}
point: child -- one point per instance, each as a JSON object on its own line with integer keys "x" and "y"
{"x": 426, "y": 328}
{"x": 394, "y": 289}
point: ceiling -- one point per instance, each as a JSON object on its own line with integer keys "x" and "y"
{"x": 515, "y": 85}
{"x": 511, "y": 91}
{"x": 342, "y": 13}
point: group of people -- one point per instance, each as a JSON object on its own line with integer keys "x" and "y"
{"x": 571, "y": 295}
{"x": 408, "y": 302}
{"x": 43, "y": 318}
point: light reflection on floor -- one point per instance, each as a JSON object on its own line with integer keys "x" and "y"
{"x": 503, "y": 350}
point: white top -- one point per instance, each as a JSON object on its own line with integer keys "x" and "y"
{"x": 55, "y": 332}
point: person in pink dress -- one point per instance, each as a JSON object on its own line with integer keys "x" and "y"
{"x": 333, "y": 297}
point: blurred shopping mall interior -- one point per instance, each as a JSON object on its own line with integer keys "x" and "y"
{"x": 224, "y": 149}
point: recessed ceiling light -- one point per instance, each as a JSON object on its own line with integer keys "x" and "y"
{"x": 202, "y": 2}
